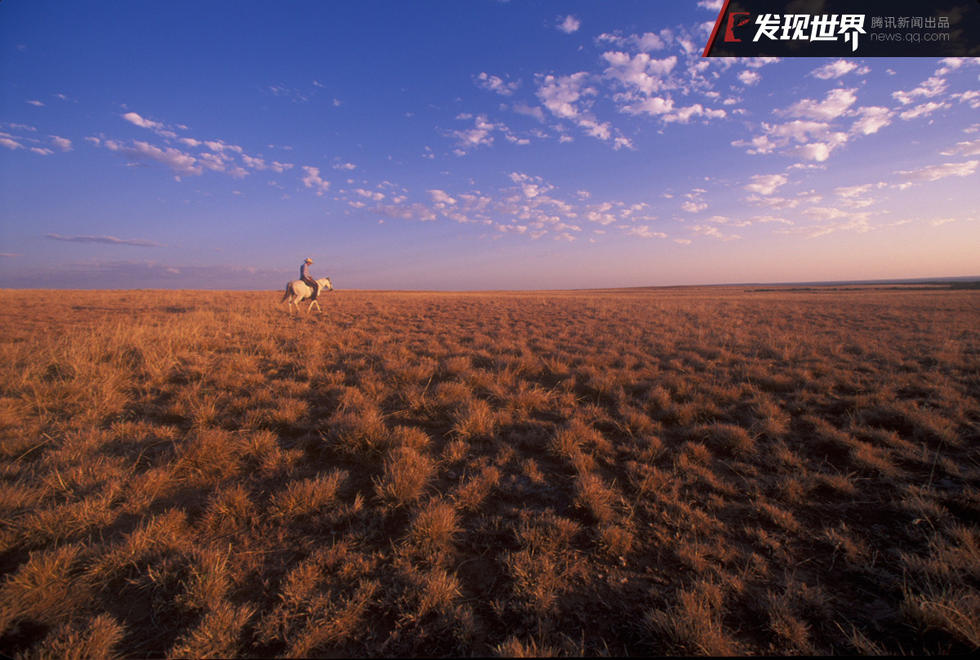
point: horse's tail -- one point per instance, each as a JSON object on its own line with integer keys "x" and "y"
{"x": 285, "y": 296}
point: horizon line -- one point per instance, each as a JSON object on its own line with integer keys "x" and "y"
{"x": 910, "y": 281}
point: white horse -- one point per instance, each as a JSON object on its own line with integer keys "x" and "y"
{"x": 298, "y": 290}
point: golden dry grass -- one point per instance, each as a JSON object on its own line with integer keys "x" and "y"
{"x": 675, "y": 471}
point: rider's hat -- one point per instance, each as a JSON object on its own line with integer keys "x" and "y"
{"x": 308, "y": 260}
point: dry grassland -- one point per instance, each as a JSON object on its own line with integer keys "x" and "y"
{"x": 690, "y": 471}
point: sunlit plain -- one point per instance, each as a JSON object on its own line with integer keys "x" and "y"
{"x": 650, "y": 471}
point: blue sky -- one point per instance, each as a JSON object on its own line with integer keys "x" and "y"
{"x": 466, "y": 145}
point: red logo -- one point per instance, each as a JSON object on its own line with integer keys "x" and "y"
{"x": 730, "y": 28}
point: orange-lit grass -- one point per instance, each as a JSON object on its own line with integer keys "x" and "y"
{"x": 691, "y": 471}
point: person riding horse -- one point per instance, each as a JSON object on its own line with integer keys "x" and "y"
{"x": 304, "y": 274}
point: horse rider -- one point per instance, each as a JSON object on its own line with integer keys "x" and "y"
{"x": 304, "y": 274}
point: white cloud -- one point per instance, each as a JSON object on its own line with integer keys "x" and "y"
{"x": 481, "y": 134}
{"x": 933, "y": 86}
{"x": 922, "y": 110}
{"x": 253, "y": 162}
{"x": 559, "y": 94}
{"x": 809, "y": 140}
{"x": 837, "y": 69}
{"x": 970, "y": 97}
{"x": 713, "y": 232}
{"x": 758, "y": 62}
{"x": 648, "y": 41}
{"x": 62, "y": 143}
{"x": 778, "y": 203}
{"x": 818, "y": 151}
{"x": 373, "y": 195}
{"x": 970, "y": 148}
{"x": 684, "y": 114}
{"x": 653, "y": 105}
{"x": 10, "y": 143}
{"x": 313, "y": 180}
{"x": 36, "y": 103}
{"x": 143, "y": 122}
{"x": 220, "y": 146}
{"x": 344, "y": 166}
{"x": 770, "y": 219}
{"x": 179, "y": 161}
{"x": 871, "y": 119}
{"x": 134, "y": 118}
{"x": 850, "y": 192}
{"x": 111, "y": 240}
{"x": 496, "y": 84}
{"x": 531, "y": 111}
{"x": 749, "y": 77}
{"x": 936, "y": 172}
{"x": 569, "y": 24}
{"x": 639, "y": 72}
{"x": 295, "y": 95}
{"x": 713, "y": 5}
{"x": 766, "y": 184}
{"x": 832, "y": 106}
{"x": 441, "y": 197}
{"x": 643, "y": 231}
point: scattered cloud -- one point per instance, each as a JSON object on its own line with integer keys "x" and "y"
{"x": 109, "y": 240}
{"x": 766, "y": 184}
{"x": 646, "y": 42}
{"x": 871, "y": 119}
{"x": 712, "y": 231}
{"x": 140, "y": 151}
{"x": 480, "y": 135}
{"x": 312, "y": 180}
{"x": 936, "y": 172}
{"x": 291, "y": 93}
{"x": 639, "y": 73}
{"x": 496, "y": 84}
{"x": 695, "y": 201}
{"x": 643, "y": 231}
{"x": 933, "y": 86}
{"x": 441, "y": 197}
{"x": 969, "y": 148}
{"x": 529, "y": 110}
{"x": 155, "y": 126}
{"x": 62, "y": 143}
{"x": 834, "y": 104}
{"x": 839, "y": 68}
{"x": 569, "y": 24}
{"x": 9, "y": 142}
{"x": 559, "y": 94}
{"x": 922, "y": 110}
